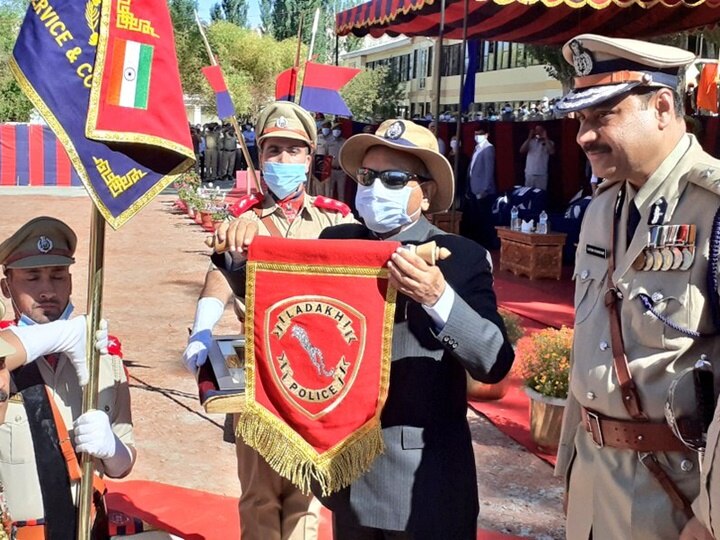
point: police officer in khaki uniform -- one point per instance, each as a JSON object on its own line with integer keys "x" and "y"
{"x": 318, "y": 184}
{"x": 337, "y": 178}
{"x": 642, "y": 303}
{"x": 271, "y": 507}
{"x": 36, "y": 473}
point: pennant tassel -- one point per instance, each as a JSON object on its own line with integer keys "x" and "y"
{"x": 298, "y": 462}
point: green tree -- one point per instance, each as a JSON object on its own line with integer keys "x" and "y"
{"x": 373, "y": 94}
{"x": 555, "y": 65}
{"x": 216, "y": 13}
{"x": 250, "y": 63}
{"x": 14, "y": 106}
{"x": 189, "y": 47}
{"x": 234, "y": 11}
{"x": 266, "y": 16}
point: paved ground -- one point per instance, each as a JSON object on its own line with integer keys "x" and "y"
{"x": 154, "y": 268}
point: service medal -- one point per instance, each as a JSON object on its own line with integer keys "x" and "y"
{"x": 648, "y": 260}
{"x": 677, "y": 258}
{"x": 657, "y": 260}
{"x": 688, "y": 257}
{"x": 667, "y": 259}
{"x": 639, "y": 262}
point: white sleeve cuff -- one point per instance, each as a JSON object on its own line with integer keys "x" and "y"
{"x": 440, "y": 312}
{"x": 209, "y": 311}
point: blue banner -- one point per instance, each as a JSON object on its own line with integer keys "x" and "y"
{"x": 54, "y": 61}
{"x": 468, "y": 93}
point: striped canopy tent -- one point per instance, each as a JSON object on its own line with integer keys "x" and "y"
{"x": 528, "y": 21}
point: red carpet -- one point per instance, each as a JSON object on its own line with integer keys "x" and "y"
{"x": 198, "y": 515}
{"x": 540, "y": 303}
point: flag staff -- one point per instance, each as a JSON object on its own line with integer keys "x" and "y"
{"x": 233, "y": 119}
{"x": 316, "y": 21}
{"x": 90, "y": 395}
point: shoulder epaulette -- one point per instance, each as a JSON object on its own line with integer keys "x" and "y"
{"x": 245, "y": 203}
{"x": 706, "y": 175}
{"x": 326, "y": 203}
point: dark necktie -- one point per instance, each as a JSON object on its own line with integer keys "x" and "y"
{"x": 632, "y": 221}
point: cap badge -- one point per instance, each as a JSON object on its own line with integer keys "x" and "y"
{"x": 44, "y": 244}
{"x": 582, "y": 60}
{"x": 281, "y": 122}
{"x": 395, "y": 131}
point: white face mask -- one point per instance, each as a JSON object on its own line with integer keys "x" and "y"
{"x": 480, "y": 138}
{"x": 383, "y": 209}
{"x": 453, "y": 145}
{"x": 336, "y": 132}
{"x": 325, "y": 132}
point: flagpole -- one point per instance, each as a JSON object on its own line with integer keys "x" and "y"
{"x": 458, "y": 128}
{"x": 316, "y": 20}
{"x": 233, "y": 119}
{"x": 90, "y": 395}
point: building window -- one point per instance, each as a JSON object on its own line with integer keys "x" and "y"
{"x": 503, "y": 55}
{"x": 489, "y": 56}
{"x": 429, "y": 60}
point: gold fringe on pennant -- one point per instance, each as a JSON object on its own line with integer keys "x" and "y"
{"x": 294, "y": 459}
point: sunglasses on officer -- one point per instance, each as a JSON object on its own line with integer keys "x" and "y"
{"x": 390, "y": 179}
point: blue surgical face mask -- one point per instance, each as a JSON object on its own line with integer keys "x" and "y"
{"x": 383, "y": 209}
{"x": 336, "y": 133}
{"x": 325, "y": 132}
{"x": 283, "y": 178}
{"x": 24, "y": 320}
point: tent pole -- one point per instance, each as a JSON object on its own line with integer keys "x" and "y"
{"x": 438, "y": 60}
{"x": 458, "y": 128}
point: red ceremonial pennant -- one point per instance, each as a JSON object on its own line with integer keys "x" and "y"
{"x": 319, "y": 318}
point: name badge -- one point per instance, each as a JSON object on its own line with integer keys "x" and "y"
{"x": 597, "y": 251}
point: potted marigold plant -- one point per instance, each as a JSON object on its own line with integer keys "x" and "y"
{"x": 487, "y": 392}
{"x": 543, "y": 362}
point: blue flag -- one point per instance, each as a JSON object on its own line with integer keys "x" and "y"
{"x": 468, "y": 93}
{"x": 104, "y": 76}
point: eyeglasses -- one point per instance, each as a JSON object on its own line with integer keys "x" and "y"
{"x": 389, "y": 179}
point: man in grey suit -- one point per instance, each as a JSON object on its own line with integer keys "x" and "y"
{"x": 477, "y": 208}
{"x": 446, "y": 322}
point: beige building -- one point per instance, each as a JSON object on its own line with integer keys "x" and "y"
{"x": 506, "y": 73}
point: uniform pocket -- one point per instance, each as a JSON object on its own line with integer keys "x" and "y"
{"x": 412, "y": 438}
{"x": 659, "y": 307}
{"x": 15, "y": 441}
{"x": 588, "y": 288}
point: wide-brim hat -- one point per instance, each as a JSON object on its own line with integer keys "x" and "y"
{"x": 43, "y": 241}
{"x": 609, "y": 67}
{"x": 410, "y": 138}
{"x": 287, "y": 120}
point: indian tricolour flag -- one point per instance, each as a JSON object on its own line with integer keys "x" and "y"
{"x": 130, "y": 74}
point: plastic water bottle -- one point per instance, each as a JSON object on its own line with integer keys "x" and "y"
{"x": 542, "y": 227}
{"x": 515, "y": 218}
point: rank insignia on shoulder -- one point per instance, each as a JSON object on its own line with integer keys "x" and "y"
{"x": 245, "y": 203}
{"x": 657, "y": 212}
{"x": 331, "y": 204}
{"x": 597, "y": 251}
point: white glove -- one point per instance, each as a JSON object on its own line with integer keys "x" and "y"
{"x": 208, "y": 313}
{"x": 94, "y": 435}
{"x": 66, "y": 337}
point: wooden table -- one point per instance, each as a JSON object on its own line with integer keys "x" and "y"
{"x": 531, "y": 254}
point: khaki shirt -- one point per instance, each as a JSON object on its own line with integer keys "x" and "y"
{"x": 18, "y": 471}
{"x": 309, "y": 223}
{"x": 610, "y": 491}
{"x": 333, "y": 148}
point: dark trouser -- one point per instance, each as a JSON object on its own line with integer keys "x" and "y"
{"x": 211, "y": 165}
{"x": 477, "y": 223}
{"x": 347, "y": 529}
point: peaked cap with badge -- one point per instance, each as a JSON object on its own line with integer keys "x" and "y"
{"x": 288, "y": 120}
{"x": 43, "y": 241}
{"x": 411, "y": 138}
{"x": 609, "y": 67}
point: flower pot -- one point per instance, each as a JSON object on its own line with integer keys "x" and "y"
{"x": 206, "y": 219}
{"x": 545, "y": 420}
{"x": 191, "y": 212}
{"x": 487, "y": 392}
